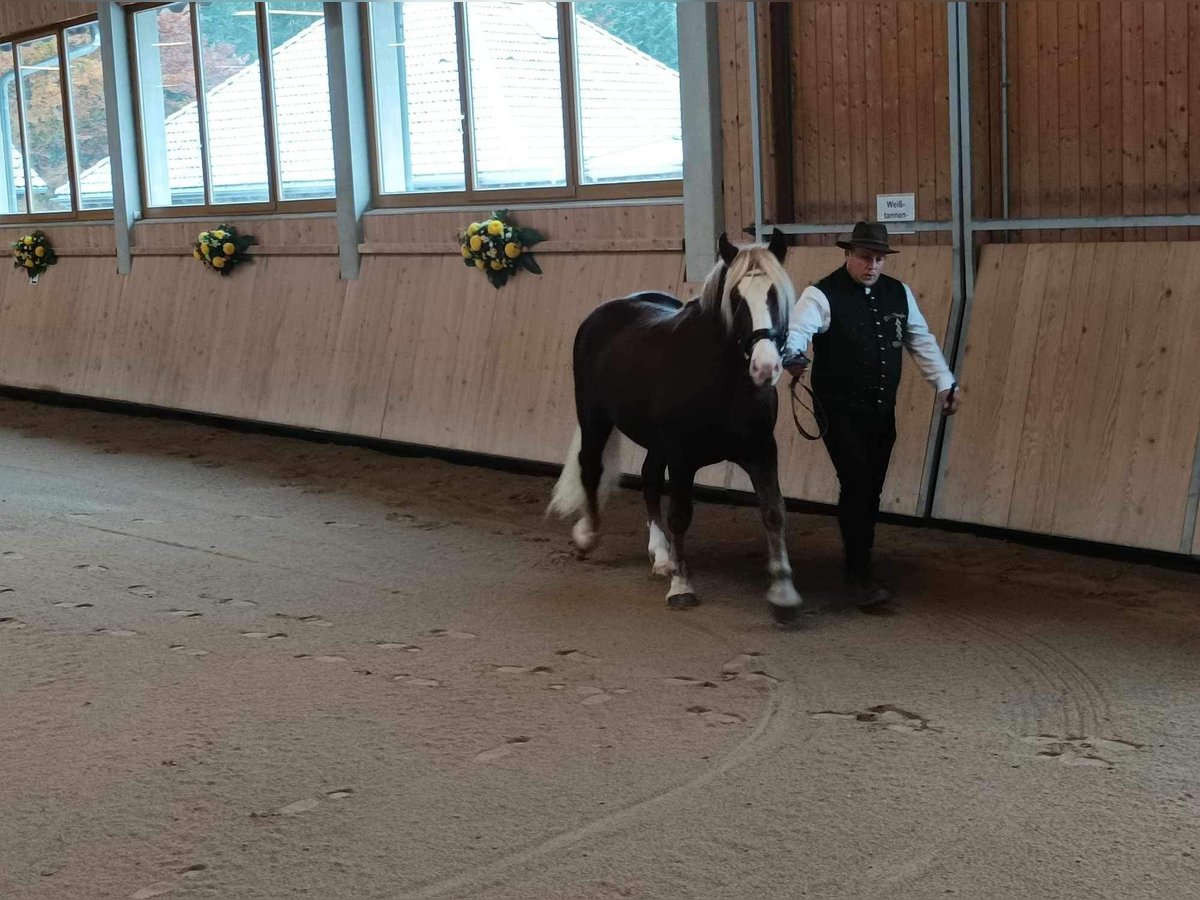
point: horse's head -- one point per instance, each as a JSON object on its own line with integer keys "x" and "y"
{"x": 754, "y": 295}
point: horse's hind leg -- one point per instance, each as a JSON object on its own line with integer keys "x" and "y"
{"x": 784, "y": 599}
{"x": 653, "y": 472}
{"x": 598, "y": 471}
{"x": 679, "y": 519}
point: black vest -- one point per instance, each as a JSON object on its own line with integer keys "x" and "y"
{"x": 857, "y": 360}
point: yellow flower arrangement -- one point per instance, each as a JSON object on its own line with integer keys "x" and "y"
{"x": 222, "y": 248}
{"x": 34, "y": 254}
{"x": 499, "y": 247}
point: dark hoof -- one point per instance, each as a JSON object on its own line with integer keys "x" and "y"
{"x": 683, "y": 601}
{"x": 786, "y": 615}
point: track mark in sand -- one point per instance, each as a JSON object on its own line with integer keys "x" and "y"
{"x": 186, "y": 651}
{"x": 142, "y": 590}
{"x": 116, "y": 632}
{"x": 230, "y": 601}
{"x": 577, "y": 655}
{"x": 339, "y": 794}
{"x": 10, "y": 623}
{"x": 687, "y": 681}
{"x": 270, "y": 636}
{"x": 5, "y": 589}
{"x": 735, "y": 666}
{"x": 154, "y": 890}
{"x": 889, "y": 717}
{"x": 183, "y": 613}
{"x": 258, "y": 517}
{"x": 450, "y": 633}
{"x": 308, "y": 620}
{"x": 396, "y": 645}
{"x": 300, "y": 806}
{"x": 712, "y": 717}
{"x": 1076, "y": 751}
{"x": 414, "y": 681}
{"x": 335, "y": 524}
{"x": 12, "y": 554}
{"x": 512, "y": 745}
{"x": 67, "y": 604}
{"x": 324, "y": 659}
{"x": 147, "y": 521}
{"x": 522, "y": 670}
{"x": 92, "y": 567}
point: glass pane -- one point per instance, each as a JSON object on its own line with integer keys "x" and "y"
{"x": 45, "y": 131}
{"x": 301, "y": 81}
{"x": 170, "y": 125}
{"x": 418, "y": 111}
{"x": 516, "y": 95}
{"x": 627, "y": 57}
{"x": 237, "y": 140}
{"x": 86, "y": 70}
{"x": 12, "y": 197}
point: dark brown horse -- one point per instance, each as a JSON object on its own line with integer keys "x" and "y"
{"x": 694, "y": 384}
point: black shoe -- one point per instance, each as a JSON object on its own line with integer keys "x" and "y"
{"x": 868, "y": 594}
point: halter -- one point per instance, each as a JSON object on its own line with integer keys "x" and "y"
{"x": 762, "y": 334}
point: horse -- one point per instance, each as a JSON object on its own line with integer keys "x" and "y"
{"x": 694, "y": 384}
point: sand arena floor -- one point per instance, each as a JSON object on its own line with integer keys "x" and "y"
{"x": 241, "y": 666}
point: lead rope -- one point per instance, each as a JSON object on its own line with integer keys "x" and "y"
{"x": 817, "y": 413}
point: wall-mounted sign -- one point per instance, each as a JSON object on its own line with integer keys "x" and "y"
{"x": 891, "y": 208}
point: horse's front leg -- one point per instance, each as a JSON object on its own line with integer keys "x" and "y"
{"x": 659, "y": 548}
{"x": 764, "y": 473}
{"x": 679, "y": 519}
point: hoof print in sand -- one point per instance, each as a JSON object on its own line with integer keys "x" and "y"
{"x": 269, "y": 635}
{"x": 522, "y": 670}
{"x": 735, "y": 666}
{"x": 577, "y": 655}
{"x": 712, "y": 717}
{"x": 414, "y": 681}
{"x": 1074, "y": 751}
{"x": 451, "y": 633}
{"x": 308, "y": 620}
{"x": 512, "y": 745}
{"x": 67, "y": 604}
{"x": 183, "y": 613}
{"x": 115, "y": 632}
{"x": 141, "y": 590}
{"x": 230, "y": 601}
{"x": 10, "y": 623}
{"x": 688, "y": 681}
{"x": 154, "y": 890}
{"x": 886, "y": 716}
{"x": 396, "y": 645}
{"x": 92, "y": 567}
{"x": 186, "y": 651}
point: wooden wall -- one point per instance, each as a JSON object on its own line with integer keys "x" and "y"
{"x": 1083, "y": 393}
{"x": 16, "y": 17}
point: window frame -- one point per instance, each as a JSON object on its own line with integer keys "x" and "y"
{"x": 270, "y": 127}
{"x": 573, "y": 190}
{"x": 76, "y": 213}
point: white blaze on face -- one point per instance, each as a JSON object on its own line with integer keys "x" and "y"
{"x": 765, "y": 363}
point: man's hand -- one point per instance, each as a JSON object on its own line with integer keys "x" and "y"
{"x": 949, "y": 400}
{"x": 797, "y": 365}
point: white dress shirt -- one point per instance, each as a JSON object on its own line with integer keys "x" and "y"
{"x": 810, "y": 316}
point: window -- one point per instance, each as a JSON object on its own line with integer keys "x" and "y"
{"x": 218, "y": 126}
{"x": 53, "y": 124}
{"x": 558, "y": 100}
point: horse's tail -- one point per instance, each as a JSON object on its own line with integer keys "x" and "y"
{"x": 569, "y": 495}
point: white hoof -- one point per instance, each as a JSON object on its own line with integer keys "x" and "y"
{"x": 661, "y": 565}
{"x": 659, "y": 550}
{"x": 782, "y": 593}
{"x": 583, "y": 537}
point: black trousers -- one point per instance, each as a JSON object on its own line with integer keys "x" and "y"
{"x": 860, "y": 446}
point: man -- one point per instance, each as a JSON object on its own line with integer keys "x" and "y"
{"x": 857, "y": 320}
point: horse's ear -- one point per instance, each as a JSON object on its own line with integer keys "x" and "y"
{"x": 727, "y": 250}
{"x": 778, "y": 244}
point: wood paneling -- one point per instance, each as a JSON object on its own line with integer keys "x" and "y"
{"x": 871, "y": 110}
{"x": 17, "y": 17}
{"x": 1082, "y": 394}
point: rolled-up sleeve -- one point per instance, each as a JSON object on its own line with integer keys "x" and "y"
{"x": 923, "y": 347}
{"x": 809, "y": 316}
